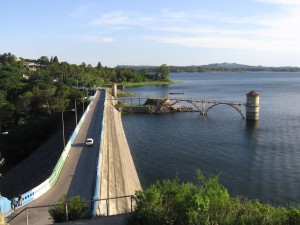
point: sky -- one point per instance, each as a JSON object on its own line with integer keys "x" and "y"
{"x": 153, "y": 32}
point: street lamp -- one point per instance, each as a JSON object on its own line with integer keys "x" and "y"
{"x": 63, "y": 124}
{"x": 76, "y": 108}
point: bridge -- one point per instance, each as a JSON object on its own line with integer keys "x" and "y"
{"x": 201, "y": 105}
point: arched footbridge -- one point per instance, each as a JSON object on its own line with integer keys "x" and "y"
{"x": 203, "y": 106}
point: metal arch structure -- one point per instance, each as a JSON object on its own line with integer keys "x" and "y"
{"x": 206, "y": 104}
{"x": 224, "y": 103}
{"x": 189, "y": 101}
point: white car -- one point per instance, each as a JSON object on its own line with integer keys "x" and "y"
{"x": 89, "y": 142}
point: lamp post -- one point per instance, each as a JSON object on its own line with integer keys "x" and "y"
{"x": 63, "y": 125}
{"x": 76, "y": 112}
{"x": 76, "y": 108}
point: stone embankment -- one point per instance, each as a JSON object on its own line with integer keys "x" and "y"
{"x": 156, "y": 109}
{"x": 158, "y": 106}
{"x": 118, "y": 174}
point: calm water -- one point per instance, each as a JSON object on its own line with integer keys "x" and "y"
{"x": 259, "y": 160}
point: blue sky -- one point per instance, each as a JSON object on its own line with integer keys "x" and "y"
{"x": 154, "y": 32}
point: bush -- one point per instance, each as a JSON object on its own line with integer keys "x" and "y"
{"x": 77, "y": 209}
{"x": 170, "y": 202}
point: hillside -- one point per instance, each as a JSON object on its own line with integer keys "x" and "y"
{"x": 217, "y": 67}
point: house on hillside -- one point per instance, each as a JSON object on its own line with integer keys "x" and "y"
{"x": 31, "y": 65}
{"x": 25, "y": 77}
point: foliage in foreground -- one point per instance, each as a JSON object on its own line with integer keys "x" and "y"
{"x": 77, "y": 209}
{"x": 207, "y": 202}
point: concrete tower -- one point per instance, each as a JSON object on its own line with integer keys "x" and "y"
{"x": 252, "y": 106}
{"x": 114, "y": 90}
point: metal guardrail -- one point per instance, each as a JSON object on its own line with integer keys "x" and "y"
{"x": 201, "y": 100}
{"x": 28, "y": 211}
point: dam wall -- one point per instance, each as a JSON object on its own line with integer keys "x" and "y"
{"x": 118, "y": 176}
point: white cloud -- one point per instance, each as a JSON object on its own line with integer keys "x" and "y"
{"x": 231, "y": 43}
{"x": 277, "y": 30}
{"x": 118, "y": 18}
{"x": 81, "y": 10}
{"x": 281, "y": 2}
{"x": 94, "y": 38}
{"x": 274, "y": 31}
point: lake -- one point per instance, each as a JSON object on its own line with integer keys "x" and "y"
{"x": 260, "y": 160}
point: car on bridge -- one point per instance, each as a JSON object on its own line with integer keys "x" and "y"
{"x": 89, "y": 142}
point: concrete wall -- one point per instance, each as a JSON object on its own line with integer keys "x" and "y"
{"x": 118, "y": 174}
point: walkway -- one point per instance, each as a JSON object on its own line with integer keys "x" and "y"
{"x": 118, "y": 173}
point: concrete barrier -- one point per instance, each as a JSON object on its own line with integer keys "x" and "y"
{"x": 99, "y": 164}
{"x": 5, "y": 204}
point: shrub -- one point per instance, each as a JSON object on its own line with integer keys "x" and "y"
{"x": 77, "y": 209}
{"x": 170, "y": 202}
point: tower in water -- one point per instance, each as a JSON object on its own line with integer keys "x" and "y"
{"x": 252, "y": 105}
{"x": 114, "y": 91}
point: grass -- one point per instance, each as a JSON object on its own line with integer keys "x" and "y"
{"x": 148, "y": 83}
{"x": 122, "y": 94}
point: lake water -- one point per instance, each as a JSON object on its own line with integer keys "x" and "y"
{"x": 260, "y": 160}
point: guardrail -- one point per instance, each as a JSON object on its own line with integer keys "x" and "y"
{"x": 99, "y": 163}
{"x": 5, "y": 204}
{"x": 28, "y": 211}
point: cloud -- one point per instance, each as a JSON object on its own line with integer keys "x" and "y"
{"x": 281, "y": 2}
{"x": 94, "y": 38}
{"x": 231, "y": 43}
{"x": 275, "y": 30}
{"x": 81, "y": 10}
{"x": 121, "y": 18}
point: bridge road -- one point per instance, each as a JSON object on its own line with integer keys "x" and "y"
{"x": 78, "y": 173}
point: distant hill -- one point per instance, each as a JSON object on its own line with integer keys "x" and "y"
{"x": 227, "y": 65}
{"x": 216, "y": 67}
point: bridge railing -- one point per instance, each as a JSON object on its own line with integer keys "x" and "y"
{"x": 27, "y": 216}
{"x": 36, "y": 192}
{"x": 204, "y": 100}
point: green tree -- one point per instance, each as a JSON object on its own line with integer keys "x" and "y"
{"x": 99, "y": 66}
{"x": 55, "y": 59}
{"x": 6, "y": 111}
{"x": 7, "y": 58}
{"x": 170, "y": 202}
{"x": 46, "y": 98}
{"x": 163, "y": 73}
{"x": 44, "y": 60}
{"x": 24, "y": 103}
